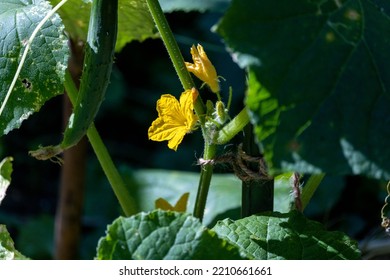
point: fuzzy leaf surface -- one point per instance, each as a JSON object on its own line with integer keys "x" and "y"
{"x": 162, "y": 235}
{"x": 43, "y": 73}
{"x": 288, "y": 236}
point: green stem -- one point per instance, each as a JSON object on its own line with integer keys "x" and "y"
{"x": 187, "y": 82}
{"x": 232, "y": 128}
{"x": 204, "y": 182}
{"x": 174, "y": 53}
{"x": 122, "y": 193}
{"x": 310, "y": 187}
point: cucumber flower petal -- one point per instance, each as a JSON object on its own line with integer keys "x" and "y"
{"x": 203, "y": 68}
{"x": 175, "y": 118}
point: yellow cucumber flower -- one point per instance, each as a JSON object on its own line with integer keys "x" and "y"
{"x": 174, "y": 119}
{"x": 203, "y": 68}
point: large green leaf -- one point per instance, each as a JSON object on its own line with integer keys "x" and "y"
{"x": 224, "y": 195}
{"x": 288, "y": 236}
{"x": 134, "y": 21}
{"x": 43, "y": 73}
{"x": 163, "y": 235}
{"x": 7, "y": 249}
{"x": 319, "y": 81}
{"x": 5, "y": 176}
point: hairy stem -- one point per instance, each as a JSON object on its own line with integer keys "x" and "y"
{"x": 174, "y": 53}
{"x": 187, "y": 82}
{"x": 204, "y": 182}
{"x": 232, "y": 128}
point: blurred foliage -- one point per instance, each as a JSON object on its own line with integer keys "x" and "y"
{"x": 314, "y": 66}
{"x": 142, "y": 73}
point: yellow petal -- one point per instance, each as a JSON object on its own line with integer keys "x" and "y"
{"x": 203, "y": 68}
{"x": 162, "y": 204}
{"x": 187, "y": 100}
{"x": 175, "y": 119}
{"x": 177, "y": 137}
{"x": 169, "y": 108}
{"x": 180, "y": 206}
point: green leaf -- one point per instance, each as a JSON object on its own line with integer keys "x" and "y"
{"x": 224, "y": 194}
{"x": 43, "y": 73}
{"x": 5, "y": 176}
{"x": 282, "y": 193}
{"x": 318, "y": 82}
{"x": 134, "y": 21}
{"x": 162, "y": 235}
{"x": 7, "y": 249}
{"x": 190, "y": 5}
{"x": 289, "y": 236}
{"x": 75, "y": 16}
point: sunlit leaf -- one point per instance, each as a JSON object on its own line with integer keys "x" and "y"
{"x": 5, "y": 176}
{"x": 162, "y": 235}
{"x": 134, "y": 21}
{"x": 43, "y": 73}
{"x": 288, "y": 236}
{"x": 7, "y": 249}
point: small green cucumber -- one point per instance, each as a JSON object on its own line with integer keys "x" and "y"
{"x": 98, "y": 60}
